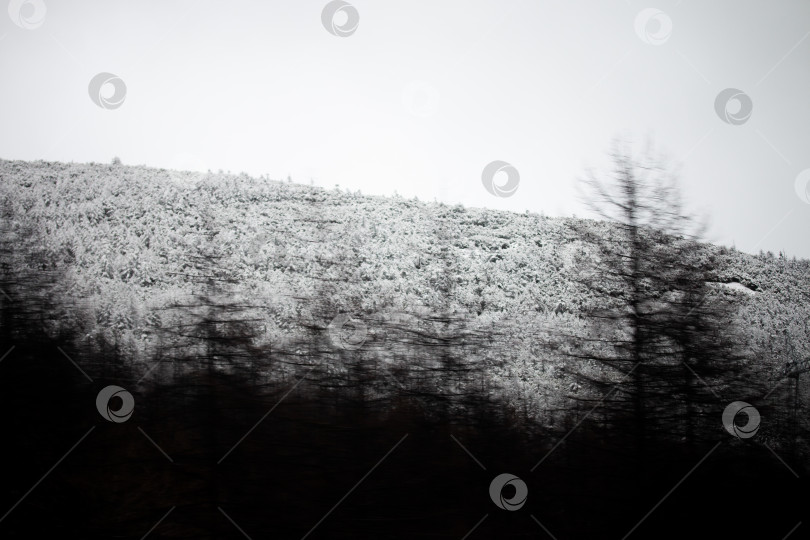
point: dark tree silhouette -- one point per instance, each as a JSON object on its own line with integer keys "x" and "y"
{"x": 660, "y": 350}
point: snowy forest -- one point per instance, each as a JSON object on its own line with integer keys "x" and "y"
{"x": 280, "y": 360}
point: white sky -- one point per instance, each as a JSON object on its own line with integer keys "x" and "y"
{"x": 425, "y": 94}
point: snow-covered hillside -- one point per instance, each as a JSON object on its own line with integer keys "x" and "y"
{"x": 125, "y": 240}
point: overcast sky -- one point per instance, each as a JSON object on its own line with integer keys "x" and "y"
{"x": 420, "y": 96}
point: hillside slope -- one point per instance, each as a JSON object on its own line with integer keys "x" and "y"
{"x": 123, "y": 239}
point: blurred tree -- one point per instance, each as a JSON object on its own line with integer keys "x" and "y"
{"x": 660, "y": 338}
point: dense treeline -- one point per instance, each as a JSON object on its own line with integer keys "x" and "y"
{"x": 324, "y": 400}
{"x": 122, "y": 234}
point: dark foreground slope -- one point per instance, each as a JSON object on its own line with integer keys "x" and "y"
{"x": 322, "y": 364}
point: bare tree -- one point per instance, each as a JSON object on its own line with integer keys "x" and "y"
{"x": 656, "y": 350}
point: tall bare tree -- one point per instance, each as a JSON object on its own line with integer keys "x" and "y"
{"x": 658, "y": 349}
